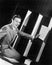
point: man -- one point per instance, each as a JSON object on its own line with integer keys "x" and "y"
{"x": 9, "y": 33}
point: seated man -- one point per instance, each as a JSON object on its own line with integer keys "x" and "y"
{"x": 9, "y": 32}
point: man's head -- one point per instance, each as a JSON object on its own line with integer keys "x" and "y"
{"x": 16, "y": 20}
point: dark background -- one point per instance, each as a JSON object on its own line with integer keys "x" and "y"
{"x": 7, "y": 9}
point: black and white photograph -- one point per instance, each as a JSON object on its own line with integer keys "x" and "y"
{"x": 25, "y": 32}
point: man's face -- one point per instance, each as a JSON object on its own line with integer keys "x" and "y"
{"x": 16, "y": 22}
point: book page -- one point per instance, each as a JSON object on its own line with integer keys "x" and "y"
{"x": 43, "y": 32}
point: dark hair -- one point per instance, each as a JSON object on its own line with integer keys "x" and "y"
{"x": 16, "y": 16}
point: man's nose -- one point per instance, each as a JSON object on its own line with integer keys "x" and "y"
{"x": 18, "y": 23}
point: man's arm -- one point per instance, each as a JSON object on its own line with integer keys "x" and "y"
{"x": 2, "y": 33}
{"x": 25, "y": 35}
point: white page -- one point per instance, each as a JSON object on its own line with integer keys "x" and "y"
{"x": 43, "y": 32}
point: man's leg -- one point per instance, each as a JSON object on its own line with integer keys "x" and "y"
{"x": 12, "y": 53}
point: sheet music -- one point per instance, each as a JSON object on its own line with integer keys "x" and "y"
{"x": 43, "y": 32}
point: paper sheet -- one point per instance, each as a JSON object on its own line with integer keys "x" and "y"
{"x": 43, "y": 32}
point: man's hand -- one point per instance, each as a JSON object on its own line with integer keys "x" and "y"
{"x": 37, "y": 35}
{"x": 32, "y": 38}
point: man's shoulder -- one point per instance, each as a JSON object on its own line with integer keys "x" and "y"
{"x": 4, "y": 27}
